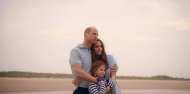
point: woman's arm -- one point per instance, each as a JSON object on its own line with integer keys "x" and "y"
{"x": 112, "y": 66}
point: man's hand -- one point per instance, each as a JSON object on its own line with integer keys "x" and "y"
{"x": 76, "y": 81}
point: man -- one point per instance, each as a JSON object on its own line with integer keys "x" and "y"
{"x": 80, "y": 60}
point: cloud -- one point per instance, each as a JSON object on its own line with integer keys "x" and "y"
{"x": 135, "y": 31}
{"x": 179, "y": 25}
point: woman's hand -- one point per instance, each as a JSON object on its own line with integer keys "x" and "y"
{"x": 113, "y": 71}
{"x": 114, "y": 68}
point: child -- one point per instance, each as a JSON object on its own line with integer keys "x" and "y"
{"x": 98, "y": 70}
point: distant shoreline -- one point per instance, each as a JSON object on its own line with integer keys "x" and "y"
{"x": 20, "y": 74}
{"x": 16, "y": 85}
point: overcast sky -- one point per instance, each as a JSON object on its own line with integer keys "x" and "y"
{"x": 146, "y": 37}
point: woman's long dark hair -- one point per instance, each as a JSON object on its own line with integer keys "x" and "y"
{"x": 103, "y": 55}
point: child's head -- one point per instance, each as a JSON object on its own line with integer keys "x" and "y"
{"x": 98, "y": 68}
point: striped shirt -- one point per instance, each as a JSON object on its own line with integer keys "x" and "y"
{"x": 100, "y": 87}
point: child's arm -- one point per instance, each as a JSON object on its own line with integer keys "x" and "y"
{"x": 99, "y": 88}
{"x": 111, "y": 83}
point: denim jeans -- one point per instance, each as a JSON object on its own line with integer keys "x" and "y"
{"x": 81, "y": 90}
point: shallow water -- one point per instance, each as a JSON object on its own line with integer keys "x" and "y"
{"x": 122, "y": 91}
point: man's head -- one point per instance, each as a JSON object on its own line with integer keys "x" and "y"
{"x": 90, "y": 35}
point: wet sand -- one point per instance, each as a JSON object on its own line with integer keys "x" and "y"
{"x": 17, "y": 85}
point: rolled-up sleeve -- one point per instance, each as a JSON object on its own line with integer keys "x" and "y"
{"x": 74, "y": 57}
{"x": 111, "y": 60}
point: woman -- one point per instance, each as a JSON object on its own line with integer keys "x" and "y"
{"x": 98, "y": 53}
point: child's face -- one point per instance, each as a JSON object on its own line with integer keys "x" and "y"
{"x": 100, "y": 71}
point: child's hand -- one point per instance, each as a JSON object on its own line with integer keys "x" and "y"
{"x": 108, "y": 89}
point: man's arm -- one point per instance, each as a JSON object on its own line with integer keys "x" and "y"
{"x": 82, "y": 74}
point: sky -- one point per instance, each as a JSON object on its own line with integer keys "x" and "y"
{"x": 146, "y": 37}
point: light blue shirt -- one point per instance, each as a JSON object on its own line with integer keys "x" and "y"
{"x": 81, "y": 55}
{"x": 111, "y": 61}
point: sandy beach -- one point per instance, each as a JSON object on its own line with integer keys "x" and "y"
{"x": 18, "y": 85}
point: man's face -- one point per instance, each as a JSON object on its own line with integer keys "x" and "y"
{"x": 92, "y": 35}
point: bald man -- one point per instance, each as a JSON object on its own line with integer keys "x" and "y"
{"x": 80, "y": 61}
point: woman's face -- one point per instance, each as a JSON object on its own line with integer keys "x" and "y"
{"x": 98, "y": 48}
{"x": 100, "y": 72}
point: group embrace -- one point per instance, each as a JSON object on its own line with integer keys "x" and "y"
{"x": 94, "y": 71}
